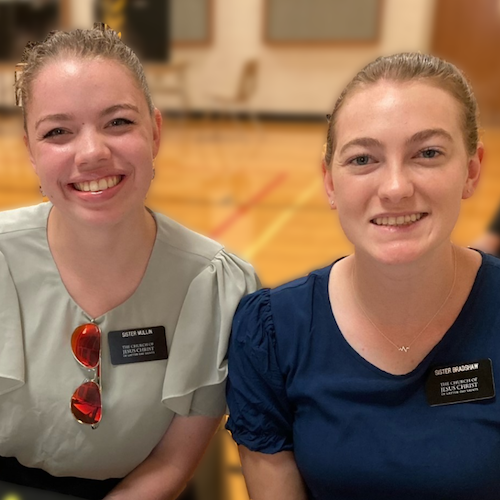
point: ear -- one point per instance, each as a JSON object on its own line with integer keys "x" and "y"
{"x": 157, "y": 122}
{"x": 27, "y": 144}
{"x": 473, "y": 172}
{"x": 328, "y": 183}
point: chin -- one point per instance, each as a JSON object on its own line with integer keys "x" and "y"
{"x": 396, "y": 254}
{"x": 99, "y": 217}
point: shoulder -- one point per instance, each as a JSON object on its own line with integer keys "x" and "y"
{"x": 487, "y": 282}
{"x": 181, "y": 240}
{"x": 253, "y": 319}
{"x": 281, "y": 314}
{"x": 24, "y": 219}
{"x": 491, "y": 264}
{"x": 23, "y": 235}
{"x": 300, "y": 292}
{"x": 203, "y": 261}
{"x": 487, "y": 279}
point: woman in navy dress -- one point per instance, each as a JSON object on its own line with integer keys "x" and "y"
{"x": 373, "y": 377}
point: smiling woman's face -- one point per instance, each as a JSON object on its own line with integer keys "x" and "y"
{"x": 91, "y": 139}
{"x": 400, "y": 169}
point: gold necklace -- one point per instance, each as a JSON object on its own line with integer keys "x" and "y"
{"x": 403, "y": 348}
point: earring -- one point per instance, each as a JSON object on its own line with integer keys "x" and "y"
{"x": 154, "y": 171}
{"x": 332, "y": 204}
{"x": 41, "y": 192}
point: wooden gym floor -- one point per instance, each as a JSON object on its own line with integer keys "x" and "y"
{"x": 257, "y": 189}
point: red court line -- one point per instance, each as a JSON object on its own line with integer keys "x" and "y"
{"x": 258, "y": 197}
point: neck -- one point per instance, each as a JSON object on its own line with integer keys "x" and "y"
{"x": 93, "y": 247}
{"x": 409, "y": 295}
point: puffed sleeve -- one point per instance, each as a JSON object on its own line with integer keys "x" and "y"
{"x": 197, "y": 368}
{"x": 260, "y": 415}
{"x": 11, "y": 338}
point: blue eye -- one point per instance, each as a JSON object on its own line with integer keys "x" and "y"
{"x": 361, "y": 160}
{"x": 430, "y": 153}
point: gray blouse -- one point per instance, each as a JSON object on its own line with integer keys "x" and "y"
{"x": 191, "y": 286}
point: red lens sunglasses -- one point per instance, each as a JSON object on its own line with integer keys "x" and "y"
{"x": 86, "y": 404}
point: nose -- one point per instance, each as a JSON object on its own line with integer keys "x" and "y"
{"x": 395, "y": 183}
{"x": 91, "y": 147}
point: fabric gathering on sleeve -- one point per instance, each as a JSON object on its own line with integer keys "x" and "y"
{"x": 12, "y": 366}
{"x": 260, "y": 415}
{"x": 196, "y": 372}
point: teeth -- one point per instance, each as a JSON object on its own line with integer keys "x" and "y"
{"x": 397, "y": 221}
{"x": 100, "y": 185}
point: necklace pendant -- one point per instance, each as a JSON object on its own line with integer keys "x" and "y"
{"x": 404, "y": 348}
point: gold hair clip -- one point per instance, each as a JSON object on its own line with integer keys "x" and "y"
{"x": 101, "y": 26}
{"x": 19, "y": 68}
{"x": 105, "y": 27}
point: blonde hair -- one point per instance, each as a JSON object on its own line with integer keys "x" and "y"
{"x": 407, "y": 67}
{"x": 97, "y": 43}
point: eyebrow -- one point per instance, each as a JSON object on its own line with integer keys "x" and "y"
{"x": 118, "y": 107}
{"x": 56, "y": 117}
{"x": 361, "y": 141}
{"x": 427, "y": 134}
{"x": 418, "y": 137}
{"x": 66, "y": 117}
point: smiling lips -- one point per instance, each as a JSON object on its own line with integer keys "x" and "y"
{"x": 98, "y": 185}
{"x": 402, "y": 220}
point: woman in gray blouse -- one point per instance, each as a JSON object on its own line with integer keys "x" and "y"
{"x": 114, "y": 318}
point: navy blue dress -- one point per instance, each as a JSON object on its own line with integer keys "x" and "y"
{"x": 358, "y": 432}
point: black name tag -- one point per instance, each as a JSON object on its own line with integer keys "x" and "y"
{"x": 134, "y": 346}
{"x": 460, "y": 383}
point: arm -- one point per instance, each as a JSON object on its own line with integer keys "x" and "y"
{"x": 261, "y": 415}
{"x": 166, "y": 471}
{"x": 272, "y": 477}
